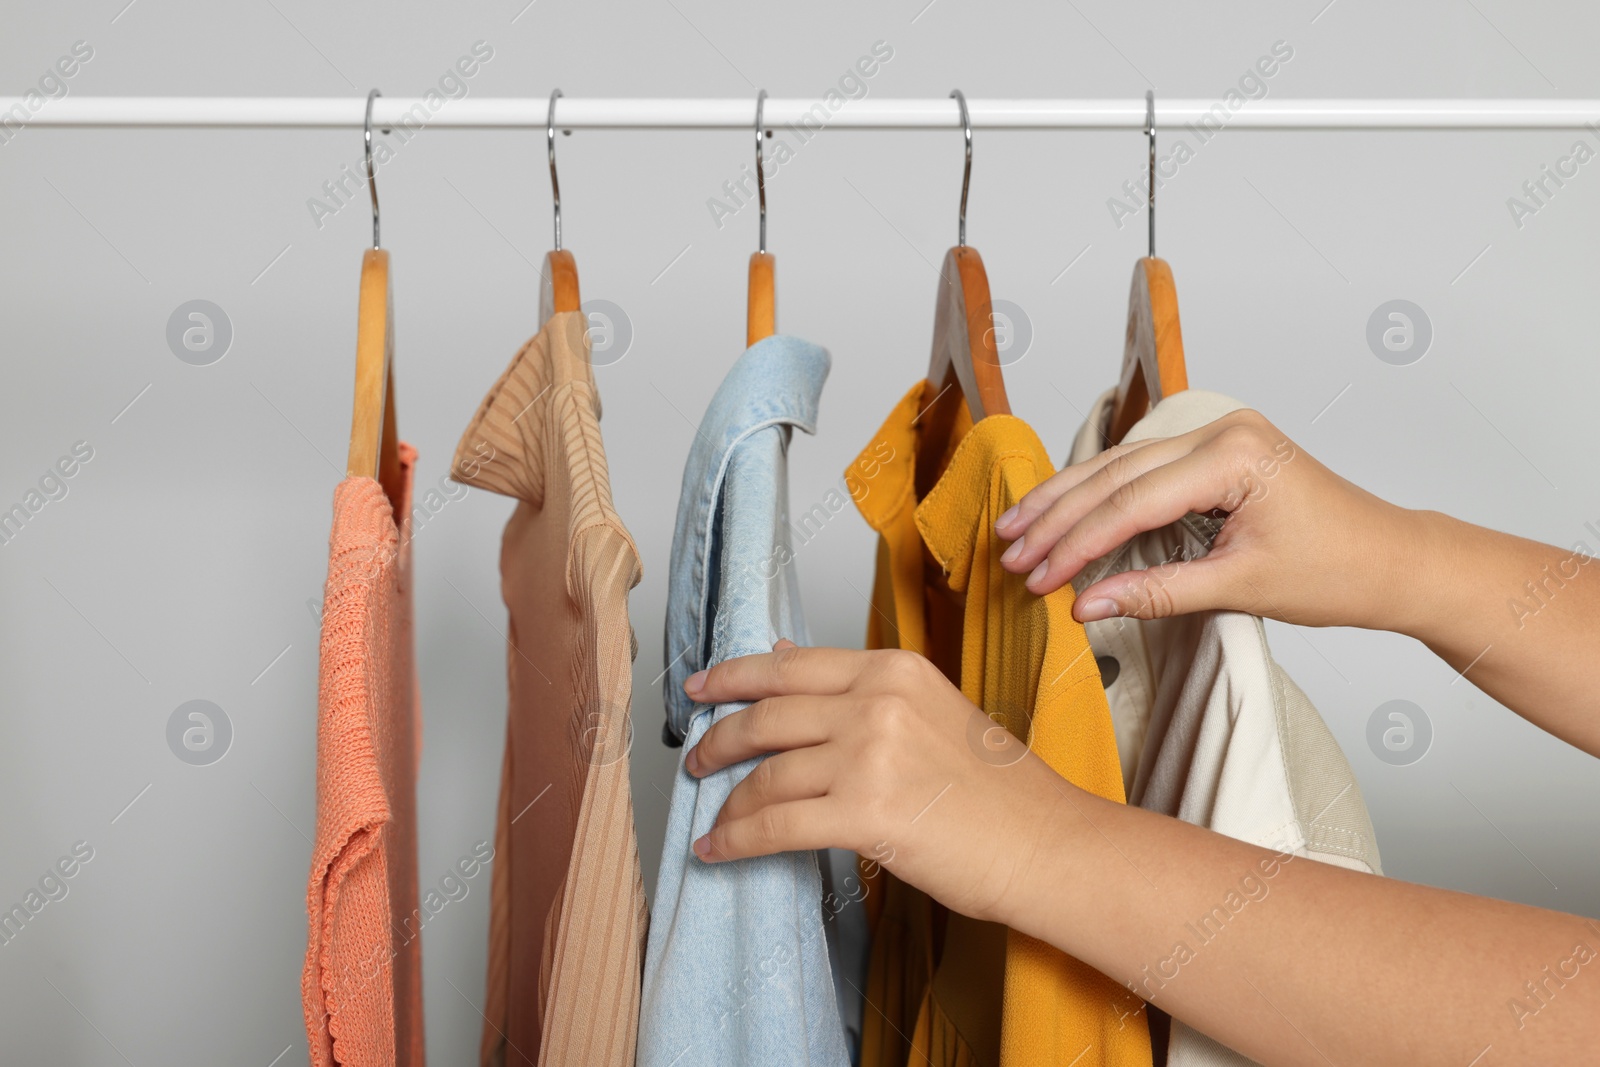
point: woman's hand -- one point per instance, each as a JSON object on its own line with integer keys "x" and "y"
{"x": 875, "y": 752}
{"x": 1299, "y": 543}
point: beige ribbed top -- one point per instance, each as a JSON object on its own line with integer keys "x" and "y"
{"x": 567, "y": 906}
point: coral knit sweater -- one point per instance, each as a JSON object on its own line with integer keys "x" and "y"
{"x": 362, "y": 984}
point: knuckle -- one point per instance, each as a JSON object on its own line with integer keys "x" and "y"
{"x": 1243, "y": 437}
{"x": 881, "y": 658}
{"x": 755, "y": 721}
{"x": 759, "y": 780}
{"x": 1044, "y": 494}
{"x": 1081, "y": 544}
{"x": 771, "y": 825}
{"x": 786, "y": 662}
{"x": 1072, "y": 550}
{"x": 1155, "y": 599}
{"x": 714, "y": 676}
{"x": 1242, "y": 447}
{"x": 1036, "y": 497}
{"x": 1121, "y": 468}
{"x": 1160, "y": 603}
{"x": 891, "y": 715}
{"x": 1057, "y": 516}
{"x": 1247, "y": 417}
{"x": 710, "y": 743}
{"x": 1127, "y": 496}
{"x": 901, "y": 668}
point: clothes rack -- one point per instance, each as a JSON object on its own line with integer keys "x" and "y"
{"x": 867, "y": 113}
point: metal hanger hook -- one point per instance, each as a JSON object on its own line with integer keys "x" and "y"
{"x": 372, "y": 180}
{"x": 550, "y": 140}
{"x": 761, "y": 174}
{"x": 966, "y": 173}
{"x": 1150, "y": 132}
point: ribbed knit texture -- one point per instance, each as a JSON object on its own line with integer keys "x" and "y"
{"x": 567, "y": 907}
{"x": 362, "y": 984}
{"x": 995, "y": 998}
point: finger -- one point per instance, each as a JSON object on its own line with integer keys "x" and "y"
{"x": 788, "y": 776}
{"x": 1149, "y": 502}
{"x": 774, "y": 724}
{"x": 1052, "y": 524}
{"x": 794, "y": 826}
{"x": 778, "y": 673}
{"x": 1158, "y": 592}
{"x": 1037, "y": 500}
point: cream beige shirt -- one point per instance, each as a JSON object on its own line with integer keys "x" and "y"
{"x": 567, "y": 909}
{"x": 1209, "y": 727}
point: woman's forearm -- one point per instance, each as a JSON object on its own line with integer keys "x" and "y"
{"x": 1519, "y": 619}
{"x": 1289, "y": 960}
{"x": 1292, "y": 961}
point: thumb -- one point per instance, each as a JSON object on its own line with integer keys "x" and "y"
{"x": 1158, "y": 592}
{"x": 783, "y": 643}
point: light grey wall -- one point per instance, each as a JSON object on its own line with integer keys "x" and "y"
{"x": 183, "y": 561}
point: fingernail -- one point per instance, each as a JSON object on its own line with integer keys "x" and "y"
{"x": 695, "y": 682}
{"x": 1011, "y": 553}
{"x": 1038, "y": 572}
{"x": 1005, "y": 520}
{"x": 1097, "y": 609}
{"x": 702, "y": 847}
{"x": 691, "y": 761}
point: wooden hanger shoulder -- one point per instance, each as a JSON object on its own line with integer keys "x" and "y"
{"x": 558, "y": 291}
{"x": 374, "y": 443}
{"x": 761, "y": 317}
{"x": 964, "y": 349}
{"x": 1153, "y": 364}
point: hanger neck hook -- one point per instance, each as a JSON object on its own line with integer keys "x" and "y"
{"x": 1150, "y": 132}
{"x": 372, "y": 179}
{"x": 966, "y": 173}
{"x": 550, "y": 141}
{"x": 761, "y": 174}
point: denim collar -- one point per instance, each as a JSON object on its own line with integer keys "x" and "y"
{"x": 775, "y": 382}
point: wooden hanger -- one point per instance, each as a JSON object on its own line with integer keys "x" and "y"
{"x": 964, "y": 352}
{"x": 761, "y": 318}
{"x": 558, "y": 291}
{"x": 1152, "y": 352}
{"x": 761, "y": 312}
{"x": 374, "y": 451}
{"x": 374, "y": 443}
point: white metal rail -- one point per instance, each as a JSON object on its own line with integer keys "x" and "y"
{"x": 868, "y": 113}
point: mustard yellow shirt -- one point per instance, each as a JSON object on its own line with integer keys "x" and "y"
{"x": 942, "y": 988}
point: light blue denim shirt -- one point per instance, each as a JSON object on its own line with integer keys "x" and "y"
{"x": 736, "y": 967}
